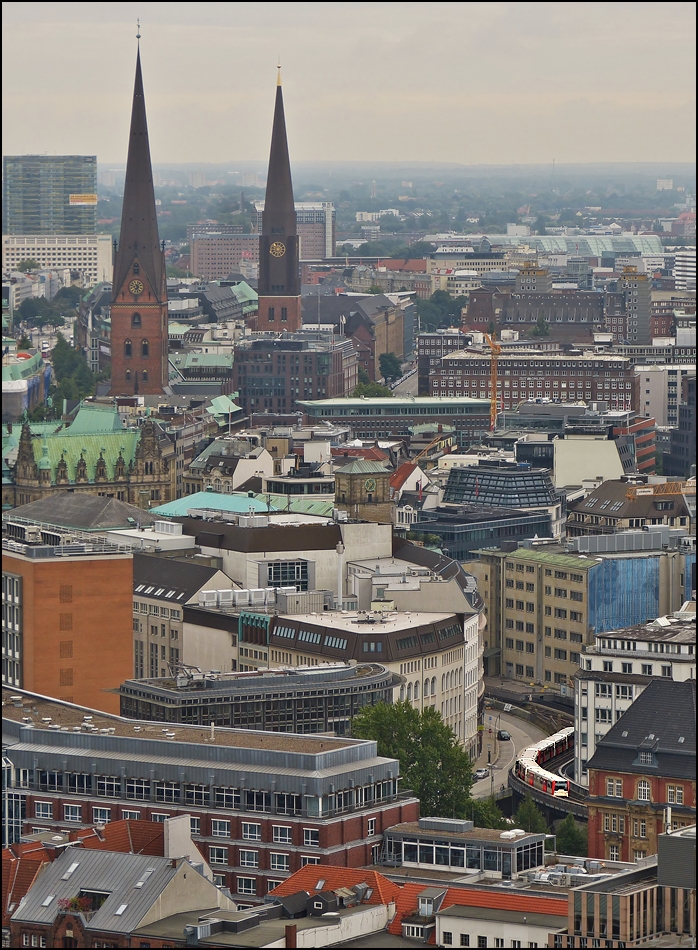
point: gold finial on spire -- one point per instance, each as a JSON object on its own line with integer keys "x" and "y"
{"x": 138, "y": 29}
{"x": 278, "y": 75}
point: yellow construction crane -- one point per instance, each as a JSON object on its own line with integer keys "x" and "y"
{"x": 496, "y": 350}
{"x": 664, "y": 488}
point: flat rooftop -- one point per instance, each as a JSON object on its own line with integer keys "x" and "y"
{"x": 373, "y": 623}
{"x": 664, "y": 630}
{"x": 35, "y": 709}
{"x": 475, "y": 834}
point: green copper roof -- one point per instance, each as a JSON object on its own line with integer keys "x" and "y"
{"x": 298, "y": 504}
{"x": 23, "y": 369}
{"x": 360, "y": 467}
{"x": 215, "y": 501}
{"x": 89, "y": 446}
{"x": 93, "y": 418}
{"x": 571, "y": 562}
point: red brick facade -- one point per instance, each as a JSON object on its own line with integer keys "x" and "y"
{"x": 628, "y": 822}
{"x": 279, "y": 314}
{"x": 138, "y": 338}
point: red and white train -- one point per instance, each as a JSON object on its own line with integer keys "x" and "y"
{"x": 530, "y": 763}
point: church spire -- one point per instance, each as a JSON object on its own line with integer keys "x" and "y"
{"x": 278, "y": 200}
{"x": 139, "y": 239}
{"x": 279, "y": 271}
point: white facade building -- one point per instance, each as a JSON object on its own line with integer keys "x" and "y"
{"x": 90, "y": 254}
{"x": 660, "y": 391}
{"x": 616, "y": 670}
{"x": 685, "y": 268}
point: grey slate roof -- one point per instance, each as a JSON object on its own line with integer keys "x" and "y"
{"x": 169, "y": 574}
{"x": 661, "y": 720}
{"x": 104, "y": 871}
{"x": 83, "y": 511}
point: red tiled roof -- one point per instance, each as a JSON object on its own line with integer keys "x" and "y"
{"x": 413, "y": 266}
{"x": 401, "y": 474}
{"x": 307, "y": 879}
{"x": 371, "y": 453}
{"x": 136, "y": 837}
{"x": 21, "y": 865}
{"x": 469, "y": 897}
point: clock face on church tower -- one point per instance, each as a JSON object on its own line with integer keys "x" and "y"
{"x": 136, "y": 287}
{"x": 370, "y": 484}
{"x": 277, "y": 249}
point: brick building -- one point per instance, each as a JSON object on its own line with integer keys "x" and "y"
{"x": 642, "y": 777}
{"x": 274, "y": 372}
{"x": 215, "y": 255}
{"x": 262, "y": 804}
{"x": 316, "y": 228}
{"x": 67, "y": 620}
{"x": 589, "y": 377}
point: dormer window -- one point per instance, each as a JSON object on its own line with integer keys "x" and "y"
{"x": 646, "y": 758}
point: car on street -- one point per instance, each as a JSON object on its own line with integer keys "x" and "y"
{"x": 480, "y": 773}
{"x": 503, "y": 735}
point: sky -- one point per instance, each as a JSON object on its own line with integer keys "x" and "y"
{"x": 474, "y": 83}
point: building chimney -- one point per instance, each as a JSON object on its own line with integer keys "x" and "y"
{"x": 291, "y": 935}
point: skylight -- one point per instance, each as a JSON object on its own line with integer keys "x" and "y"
{"x": 320, "y": 884}
{"x": 73, "y": 867}
{"x": 47, "y": 900}
{"x": 120, "y": 909}
{"x": 144, "y": 877}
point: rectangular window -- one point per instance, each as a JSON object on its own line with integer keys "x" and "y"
{"x": 101, "y": 816}
{"x": 465, "y": 940}
{"x": 72, "y": 813}
{"x": 249, "y": 859}
{"x": 251, "y": 832}
{"x": 447, "y": 938}
{"x": 43, "y": 809}
{"x": 127, "y": 815}
{"x": 220, "y": 828}
{"x": 219, "y": 855}
{"x": 311, "y": 837}
{"x": 280, "y": 862}
{"x": 372, "y": 824}
{"x": 247, "y": 885}
{"x": 194, "y": 825}
{"x": 309, "y": 859}
{"x": 282, "y": 834}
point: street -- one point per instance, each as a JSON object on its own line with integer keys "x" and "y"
{"x": 522, "y": 734}
{"x": 408, "y": 386}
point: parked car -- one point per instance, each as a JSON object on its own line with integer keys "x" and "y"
{"x": 480, "y": 773}
{"x": 503, "y": 735}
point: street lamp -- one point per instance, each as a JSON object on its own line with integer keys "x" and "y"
{"x": 492, "y": 782}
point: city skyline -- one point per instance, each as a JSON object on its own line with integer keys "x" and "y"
{"x": 536, "y": 82}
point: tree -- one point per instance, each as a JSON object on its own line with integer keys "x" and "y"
{"x": 539, "y": 227}
{"x": 432, "y": 764}
{"x": 390, "y": 366}
{"x": 372, "y": 389}
{"x": 485, "y": 814}
{"x": 24, "y": 343}
{"x": 542, "y": 327}
{"x": 363, "y": 375}
{"x": 29, "y": 264}
{"x": 571, "y": 838}
{"x": 373, "y": 289}
{"x": 529, "y": 817}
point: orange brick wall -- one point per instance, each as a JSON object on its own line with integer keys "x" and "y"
{"x": 76, "y": 627}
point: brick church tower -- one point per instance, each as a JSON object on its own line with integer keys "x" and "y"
{"x": 279, "y": 285}
{"x": 139, "y": 291}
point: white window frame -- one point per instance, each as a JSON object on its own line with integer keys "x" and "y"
{"x": 248, "y": 859}
{"x": 251, "y": 831}
{"x": 217, "y": 856}
{"x": 246, "y": 885}
{"x": 279, "y": 862}
{"x": 220, "y": 828}
{"x": 282, "y": 834}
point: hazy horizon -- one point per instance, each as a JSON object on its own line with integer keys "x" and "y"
{"x": 469, "y": 84}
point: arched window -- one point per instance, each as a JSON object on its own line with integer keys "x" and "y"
{"x": 135, "y": 319}
{"x": 409, "y": 692}
{"x": 128, "y": 348}
{"x": 426, "y": 687}
{"x": 136, "y": 267}
{"x": 128, "y": 374}
{"x": 643, "y": 791}
{"x": 443, "y": 682}
{"x": 402, "y": 693}
{"x": 433, "y": 686}
{"x": 416, "y": 689}
{"x": 145, "y": 348}
{"x": 145, "y": 375}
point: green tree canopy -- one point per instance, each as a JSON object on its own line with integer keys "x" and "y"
{"x": 390, "y": 366}
{"x": 571, "y": 837}
{"x": 24, "y": 343}
{"x": 372, "y": 389}
{"x": 363, "y": 375}
{"x": 27, "y": 265}
{"x": 440, "y": 310}
{"x": 542, "y": 327}
{"x": 432, "y": 763}
{"x": 529, "y": 817}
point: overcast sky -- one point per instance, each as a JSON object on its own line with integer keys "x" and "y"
{"x": 494, "y": 83}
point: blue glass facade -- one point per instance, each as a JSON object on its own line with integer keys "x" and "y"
{"x": 623, "y": 592}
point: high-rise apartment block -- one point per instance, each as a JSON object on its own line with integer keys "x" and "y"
{"x": 49, "y": 194}
{"x": 636, "y": 289}
{"x": 66, "y": 627}
{"x": 88, "y": 254}
{"x": 316, "y": 227}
